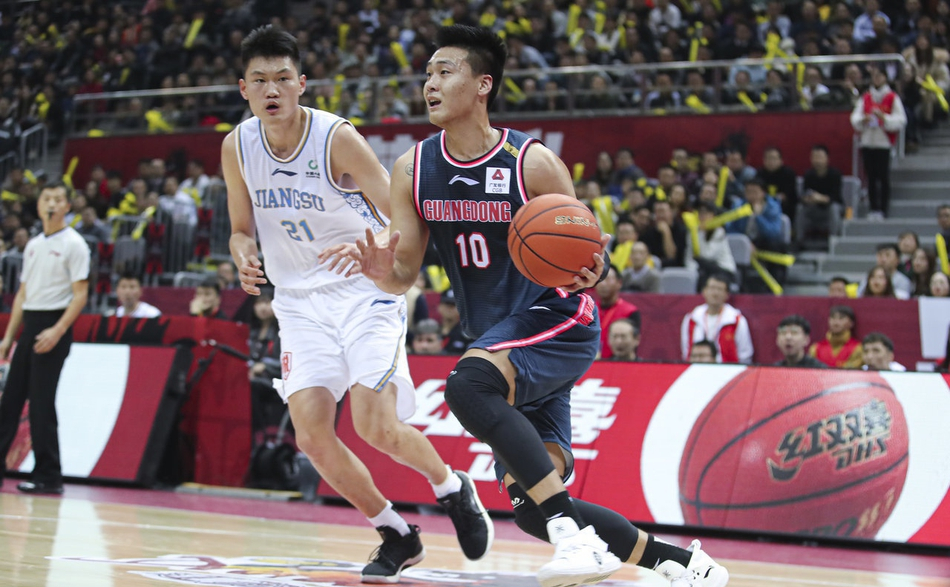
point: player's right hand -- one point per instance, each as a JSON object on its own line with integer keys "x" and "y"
{"x": 376, "y": 260}
{"x": 251, "y": 275}
{"x": 5, "y": 348}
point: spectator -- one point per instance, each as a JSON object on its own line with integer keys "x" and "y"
{"x": 720, "y": 322}
{"x": 776, "y": 91}
{"x": 943, "y": 222}
{"x": 703, "y": 351}
{"x": 779, "y": 180}
{"x": 922, "y": 269}
{"x": 639, "y": 275}
{"x": 739, "y": 172}
{"x": 227, "y": 275}
{"x": 417, "y": 308}
{"x": 794, "y": 334}
{"x": 21, "y": 237}
{"x": 624, "y": 340}
{"x": 821, "y": 187}
{"x": 207, "y": 300}
{"x": 90, "y": 225}
{"x": 264, "y": 360}
{"x": 454, "y": 341}
{"x": 664, "y": 17}
{"x": 839, "y": 349}
{"x": 877, "y": 285}
{"x": 878, "y": 116}
{"x": 196, "y": 182}
{"x": 813, "y": 87}
{"x": 129, "y": 293}
{"x": 715, "y": 255}
{"x": 427, "y": 338}
{"x": 864, "y": 24}
{"x": 666, "y": 238}
{"x": 939, "y": 285}
{"x": 838, "y": 287}
{"x": 907, "y": 244}
{"x": 888, "y": 257}
{"x": 932, "y": 62}
{"x": 611, "y": 307}
{"x": 664, "y": 96}
{"x": 878, "y": 352}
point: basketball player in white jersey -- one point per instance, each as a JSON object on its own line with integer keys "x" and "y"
{"x": 305, "y": 179}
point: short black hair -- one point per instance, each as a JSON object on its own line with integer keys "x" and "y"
{"x": 636, "y": 329}
{"x": 839, "y": 278}
{"x": 720, "y": 276}
{"x": 891, "y": 246}
{"x": 796, "y": 320}
{"x": 268, "y": 42}
{"x": 756, "y": 182}
{"x": 130, "y": 275}
{"x": 942, "y": 207}
{"x": 487, "y": 52}
{"x": 820, "y": 147}
{"x": 59, "y": 184}
{"x": 879, "y": 337}
{"x": 772, "y": 148}
{"x": 843, "y": 311}
{"x": 212, "y": 282}
{"x": 708, "y": 344}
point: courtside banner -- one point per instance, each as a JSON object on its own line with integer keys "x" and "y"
{"x": 845, "y": 454}
{"x": 108, "y": 402}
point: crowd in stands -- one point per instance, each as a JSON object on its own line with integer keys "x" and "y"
{"x": 52, "y": 50}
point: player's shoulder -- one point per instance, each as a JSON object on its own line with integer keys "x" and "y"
{"x": 74, "y": 237}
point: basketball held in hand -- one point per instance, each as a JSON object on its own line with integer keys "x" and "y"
{"x": 552, "y": 238}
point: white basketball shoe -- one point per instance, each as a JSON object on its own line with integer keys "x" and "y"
{"x": 580, "y": 556}
{"x": 702, "y": 570}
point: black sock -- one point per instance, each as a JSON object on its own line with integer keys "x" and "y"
{"x": 657, "y": 552}
{"x": 619, "y": 534}
{"x": 561, "y": 505}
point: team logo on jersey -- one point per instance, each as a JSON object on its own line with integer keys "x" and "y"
{"x": 286, "y": 363}
{"x": 314, "y": 172}
{"x": 284, "y": 172}
{"x": 465, "y": 180}
{"x": 497, "y": 180}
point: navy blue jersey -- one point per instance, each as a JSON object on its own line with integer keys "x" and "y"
{"x": 468, "y": 207}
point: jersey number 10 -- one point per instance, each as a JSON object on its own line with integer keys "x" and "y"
{"x": 476, "y": 247}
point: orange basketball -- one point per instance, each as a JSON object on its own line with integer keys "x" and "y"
{"x": 821, "y": 452}
{"x": 552, "y": 238}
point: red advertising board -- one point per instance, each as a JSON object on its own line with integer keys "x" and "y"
{"x": 849, "y": 454}
{"x": 576, "y": 140}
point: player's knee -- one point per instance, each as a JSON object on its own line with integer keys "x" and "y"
{"x": 528, "y": 516}
{"x": 315, "y": 444}
{"x": 470, "y": 389}
{"x": 381, "y": 435}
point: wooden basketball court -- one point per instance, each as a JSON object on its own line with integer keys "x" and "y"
{"x": 106, "y": 537}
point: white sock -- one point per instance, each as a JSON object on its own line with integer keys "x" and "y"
{"x": 451, "y": 484}
{"x": 389, "y": 517}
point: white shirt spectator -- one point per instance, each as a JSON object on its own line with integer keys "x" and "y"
{"x": 894, "y": 366}
{"x": 810, "y": 93}
{"x": 864, "y": 27}
{"x": 142, "y": 310}
{"x": 665, "y": 18}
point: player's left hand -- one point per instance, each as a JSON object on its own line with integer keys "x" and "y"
{"x": 342, "y": 257}
{"x": 46, "y": 340}
{"x": 588, "y": 277}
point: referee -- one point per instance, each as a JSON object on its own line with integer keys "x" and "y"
{"x": 53, "y": 290}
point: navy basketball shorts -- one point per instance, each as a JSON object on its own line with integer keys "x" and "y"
{"x": 552, "y": 345}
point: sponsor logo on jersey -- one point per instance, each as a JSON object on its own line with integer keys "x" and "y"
{"x": 497, "y": 180}
{"x": 314, "y": 172}
{"x": 465, "y": 180}
{"x": 466, "y": 210}
{"x": 286, "y": 172}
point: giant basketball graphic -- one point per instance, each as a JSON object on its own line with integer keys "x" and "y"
{"x": 803, "y": 451}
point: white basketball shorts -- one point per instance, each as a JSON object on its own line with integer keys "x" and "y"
{"x": 339, "y": 335}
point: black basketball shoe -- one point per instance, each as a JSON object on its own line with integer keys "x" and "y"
{"x": 392, "y": 556}
{"x": 473, "y": 526}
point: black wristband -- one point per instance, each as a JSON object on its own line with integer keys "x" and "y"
{"x": 606, "y": 271}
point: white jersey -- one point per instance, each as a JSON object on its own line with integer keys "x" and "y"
{"x": 298, "y": 208}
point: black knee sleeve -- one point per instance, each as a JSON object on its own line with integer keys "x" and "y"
{"x": 528, "y": 516}
{"x": 477, "y": 392}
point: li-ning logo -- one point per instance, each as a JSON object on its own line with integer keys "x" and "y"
{"x": 314, "y": 172}
{"x": 573, "y": 220}
{"x": 856, "y": 436}
{"x": 284, "y": 172}
{"x": 465, "y": 180}
{"x": 516, "y": 501}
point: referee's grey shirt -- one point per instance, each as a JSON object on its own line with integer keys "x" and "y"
{"x": 51, "y": 264}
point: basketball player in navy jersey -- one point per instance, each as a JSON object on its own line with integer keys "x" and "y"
{"x": 511, "y": 389}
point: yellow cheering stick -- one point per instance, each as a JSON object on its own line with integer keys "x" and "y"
{"x": 573, "y": 13}
{"x": 721, "y": 186}
{"x": 399, "y": 54}
{"x": 696, "y": 104}
{"x": 942, "y": 254}
{"x": 773, "y": 257}
{"x": 68, "y": 176}
{"x": 730, "y": 216}
{"x": 931, "y": 85}
{"x": 691, "y": 220}
{"x": 193, "y": 31}
{"x": 766, "y": 277}
{"x": 747, "y": 101}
